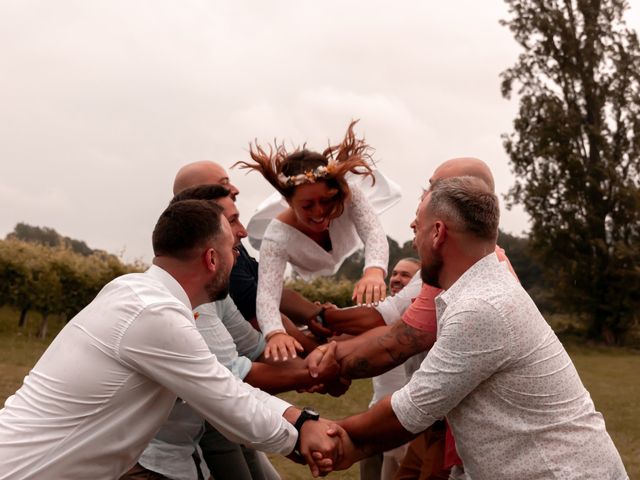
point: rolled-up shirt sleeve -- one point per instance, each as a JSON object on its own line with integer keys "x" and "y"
{"x": 473, "y": 343}
{"x": 164, "y": 345}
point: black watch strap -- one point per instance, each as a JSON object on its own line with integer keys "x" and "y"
{"x": 306, "y": 414}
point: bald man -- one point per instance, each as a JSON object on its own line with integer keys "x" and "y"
{"x": 357, "y": 320}
{"x": 402, "y": 328}
{"x": 202, "y": 173}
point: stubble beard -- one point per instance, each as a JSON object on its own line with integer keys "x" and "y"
{"x": 218, "y": 287}
{"x": 430, "y": 272}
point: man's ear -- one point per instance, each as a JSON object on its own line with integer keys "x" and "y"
{"x": 211, "y": 259}
{"x": 440, "y": 234}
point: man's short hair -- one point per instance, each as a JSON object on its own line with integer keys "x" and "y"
{"x": 212, "y": 191}
{"x": 411, "y": 260}
{"x": 468, "y": 203}
{"x": 184, "y": 226}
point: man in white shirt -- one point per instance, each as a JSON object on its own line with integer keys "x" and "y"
{"x": 239, "y": 347}
{"x": 497, "y": 371}
{"x": 385, "y": 465}
{"x": 111, "y": 376}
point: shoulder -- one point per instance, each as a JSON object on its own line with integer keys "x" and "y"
{"x": 277, "y": 231}
{"x": 144, "y": 290}
{"x": 356, "y": 195}
{"x": 225, "y": 307}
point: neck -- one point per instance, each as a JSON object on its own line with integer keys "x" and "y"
{"x": 183, "y": 273}
{"x": 457, "y": 260}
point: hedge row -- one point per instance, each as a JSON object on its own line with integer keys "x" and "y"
{"x": 53, "y": 280}
{"x": 324, "y": 290}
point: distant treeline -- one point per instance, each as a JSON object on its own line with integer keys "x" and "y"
{"x": 518, "y": 250}
{"x": 44, "y": 271}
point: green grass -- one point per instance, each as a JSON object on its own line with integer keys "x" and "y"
{"x": 610, "y": 374}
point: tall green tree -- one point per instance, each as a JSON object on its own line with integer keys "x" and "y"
{"x": 575, "y": 150}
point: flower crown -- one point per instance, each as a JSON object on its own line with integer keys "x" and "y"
{"x": 310, "y": 176}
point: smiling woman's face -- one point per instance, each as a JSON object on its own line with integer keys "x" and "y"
{"x": 312, "y": 205}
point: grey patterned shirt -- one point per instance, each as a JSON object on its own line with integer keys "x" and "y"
{"x": 515, "y": 402}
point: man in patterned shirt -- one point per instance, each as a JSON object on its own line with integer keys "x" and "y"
{"x": 497, "y": 371}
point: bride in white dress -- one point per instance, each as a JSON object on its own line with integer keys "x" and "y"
{"x": 317, "y": 219}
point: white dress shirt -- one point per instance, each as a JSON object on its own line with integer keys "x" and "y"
{"x": 510, "y": 392}
{"x": 393, "y": 306}
{"x": 235, "y": 343}
{"x": 110, "y": 378}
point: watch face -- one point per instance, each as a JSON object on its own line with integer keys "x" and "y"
{"x": 312, "y": 412}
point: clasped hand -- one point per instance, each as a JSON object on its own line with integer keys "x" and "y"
{"x": 323, "y": 367}
{"x": 325, "y": 446}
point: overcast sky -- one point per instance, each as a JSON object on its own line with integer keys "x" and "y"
{"x": 102, "y": 101}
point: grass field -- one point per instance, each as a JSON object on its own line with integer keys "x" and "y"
{"x": 611, "y": 375}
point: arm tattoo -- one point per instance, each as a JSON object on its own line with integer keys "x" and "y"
{"x": 399, "y": 343}
{"x": 359, "y": 367}
{"x": 404, "y": 341}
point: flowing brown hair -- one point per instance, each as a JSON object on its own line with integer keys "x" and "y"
{"x": 351, "y": 155}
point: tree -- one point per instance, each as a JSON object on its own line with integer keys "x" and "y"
{"x": 576, "y": 152}
{"x": 351, "y": 269}
{"x": 48, "y": 236}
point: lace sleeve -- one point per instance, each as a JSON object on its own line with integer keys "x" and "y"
{"x": 273, "y": 261}
{"x": 369, "y": 228}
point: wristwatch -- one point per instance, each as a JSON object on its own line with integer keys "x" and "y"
{"x": 306, "y": 414}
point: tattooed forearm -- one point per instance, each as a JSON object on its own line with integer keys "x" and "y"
{"x": 386, "y": 351}
{"x": 407, "y": 341}
{"x": 358, "y": 367}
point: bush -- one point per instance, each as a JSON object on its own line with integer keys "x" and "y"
{"x": 324, "y": 290}
{"x": 53, "y": 279}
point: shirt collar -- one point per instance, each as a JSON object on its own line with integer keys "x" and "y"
{"x": 458, "y": 288}
{"x": 170, "y": 283}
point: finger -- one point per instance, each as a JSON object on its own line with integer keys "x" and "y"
{"x": 320, "y": 458}
{"x": 290, "y": 348}
{"x": 318, "y": 329}
{"x": 308, "y": 457}
{"x": 376, "y": 294}
{"x": 325, "y": 465}
{"x": 369, "y": 295}
{"x": 331, "y": 348}
{"x": 282, "y": 350}
{"x": 340, "y": 450}
{"x": 313, "y": 362}
{"x": 298, "y": 346}
{"x": 274, "y": 353}
{"x": 361, "y": 291}
{"x": 329, "y": 355}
